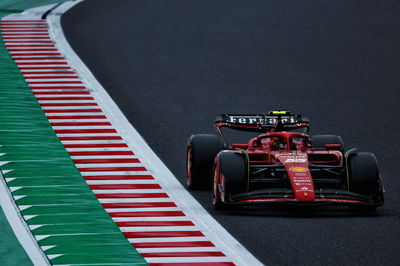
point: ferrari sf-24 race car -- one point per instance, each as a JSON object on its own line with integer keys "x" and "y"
{"x": 281, "y": 164}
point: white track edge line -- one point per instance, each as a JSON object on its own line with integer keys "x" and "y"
{"x": 20, "y": 228}
{"x": 213, "y": 230}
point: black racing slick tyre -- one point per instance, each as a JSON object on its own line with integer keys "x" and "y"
{"x": 319, "y": 141}
{"x": 231, "y": 176}
{"x": 218, "y": 185}
{"x": 201, "y": 152}
{"x": 364, "y": 174}
{"x": 365, "y": 178}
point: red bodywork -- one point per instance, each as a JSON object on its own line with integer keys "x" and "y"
{"x": 294, "y": 156}
{"x": 282, "y": 165}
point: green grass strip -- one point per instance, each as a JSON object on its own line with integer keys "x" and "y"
{"x": 43, "y": 176}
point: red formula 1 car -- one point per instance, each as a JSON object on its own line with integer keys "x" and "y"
{"x": 282, "y": 164}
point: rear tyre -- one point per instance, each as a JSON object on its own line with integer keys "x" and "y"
{"x": 230, "y": 174}
{"x": 201, "y": 152}
{"x": 319, "y": 141}
{"x": 365, "y": 178}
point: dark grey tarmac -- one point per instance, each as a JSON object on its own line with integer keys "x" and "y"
{"x": 172, "y": 66}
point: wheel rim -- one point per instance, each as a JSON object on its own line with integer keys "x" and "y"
{"x": 215, "y": 184}
{"x": 189, "y": 166}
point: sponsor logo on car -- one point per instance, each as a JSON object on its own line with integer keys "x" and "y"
{"x": 296, "y": 160}
{"x": 292, "y": 158}
{"x": 300, "y": 174}
{"x": 259, "y": 120}
{"x": 298, "y": 169}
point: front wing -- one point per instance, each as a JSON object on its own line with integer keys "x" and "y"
{"x": 286, "y": 196}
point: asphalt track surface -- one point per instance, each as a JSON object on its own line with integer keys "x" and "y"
{"x": 172, "y": 66}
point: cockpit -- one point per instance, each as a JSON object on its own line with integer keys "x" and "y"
{"x": 280, "y": 142}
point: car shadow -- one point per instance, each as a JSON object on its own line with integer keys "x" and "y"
{"x": 292, "y": 211}
{"x": 301, "y": 212}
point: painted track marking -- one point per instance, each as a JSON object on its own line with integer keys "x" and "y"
{"x": 110, "y": 188}
{"x": 165, "y": 228}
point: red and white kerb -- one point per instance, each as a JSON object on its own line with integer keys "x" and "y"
{"x": 149, "y": 219}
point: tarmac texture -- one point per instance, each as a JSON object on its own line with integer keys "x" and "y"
{"x": 172, "y": 66}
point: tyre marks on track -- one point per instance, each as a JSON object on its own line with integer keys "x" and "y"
{"x": 126, "y": 188}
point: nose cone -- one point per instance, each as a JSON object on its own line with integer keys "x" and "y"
{"x": 296, "y": 165}
{"x": 301, "y": 180}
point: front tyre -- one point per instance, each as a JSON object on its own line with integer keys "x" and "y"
{"x": 364, "y": 178}
{"x": 201, "y": 152}
{"x": 231, "y": 176}
{"x": 218, "y": 187}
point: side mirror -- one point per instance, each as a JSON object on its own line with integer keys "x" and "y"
{"x": 332, "y": 146}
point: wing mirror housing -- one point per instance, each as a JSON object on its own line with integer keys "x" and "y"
{"x": 332, "y": 146}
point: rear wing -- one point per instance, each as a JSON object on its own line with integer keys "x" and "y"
{"x": 274, "y": 121}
